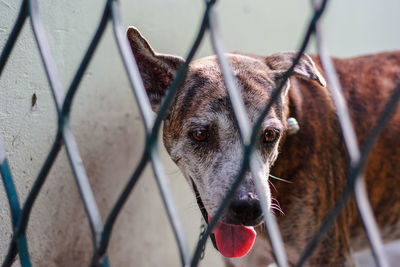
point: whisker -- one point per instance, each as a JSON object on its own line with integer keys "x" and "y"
{"x": 279, "y": 179}
{"x": 275, "y": 205}
{"x": 278, "y": 209}
{"x": 272, "y": 185}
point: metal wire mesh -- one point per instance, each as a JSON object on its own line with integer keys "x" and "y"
{"x": 101, "y": 233}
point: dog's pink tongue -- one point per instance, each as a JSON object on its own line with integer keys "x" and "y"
{"x": 234, "y": 240}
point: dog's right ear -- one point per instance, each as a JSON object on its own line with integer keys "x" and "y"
{"x": 157, "y": 70}
{"x": 281, "y": 62}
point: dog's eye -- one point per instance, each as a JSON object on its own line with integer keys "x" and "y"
{"x": 271, "y": 135}
{"x": 200, "y": 135}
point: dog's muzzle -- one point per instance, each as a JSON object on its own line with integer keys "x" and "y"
{"x": 233, "y": 240}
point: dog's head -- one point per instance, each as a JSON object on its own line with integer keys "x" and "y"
{"x": 201, "y": 135}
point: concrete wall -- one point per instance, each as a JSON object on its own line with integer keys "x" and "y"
{"x": 107, "y": 124}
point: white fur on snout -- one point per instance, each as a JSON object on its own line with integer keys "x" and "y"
{"x": 222, "y": 177}
{"x": 259, "y": 169}
{"x": 285, "y": 91}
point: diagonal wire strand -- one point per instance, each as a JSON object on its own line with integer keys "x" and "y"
{"x": 90, "y": 206}
{"x": 256, "y": 167}
{"x": 249, "y": 149}
{"x": 4, "y": 166}
{"x": 357, "y": 160}
{"x": 21, "y": 228}
{"x": 361, "y": 197}
{"x": 138, "y": 89}
{"x": 69, "y": 139}
{"x": 152, "y": 132}
{"x": 22, "y": 15}
{"x": 15, "y": 210}
{"x": 383, "y": 119}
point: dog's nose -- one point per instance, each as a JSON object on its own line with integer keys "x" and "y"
{"x": 246, "y": 209}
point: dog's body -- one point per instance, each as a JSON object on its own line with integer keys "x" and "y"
{"x": 202, "y": 138}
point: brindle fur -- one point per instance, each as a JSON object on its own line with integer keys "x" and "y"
{"x": 313, "y": 160}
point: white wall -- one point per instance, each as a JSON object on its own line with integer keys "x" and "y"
{"x": 107, "y": 124}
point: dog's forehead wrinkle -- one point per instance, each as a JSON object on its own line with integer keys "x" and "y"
{"x": 232, "y": 57}
{"x": 205, "y": 92}
{"x": 244, "y": 57}
{"x": 272, "y": 122}
{"x": 241, "y": 65}
{"x": 222, "y": 116}
{"x": 257, "y": 77}
{"x": 197, "y": 121}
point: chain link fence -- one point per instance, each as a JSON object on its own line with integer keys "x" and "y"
{"x": 100, "y": 233}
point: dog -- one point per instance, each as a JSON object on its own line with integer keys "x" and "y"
{"x": 202, "y": 138}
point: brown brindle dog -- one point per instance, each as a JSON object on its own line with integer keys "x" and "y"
{"x": 202, "y": 138}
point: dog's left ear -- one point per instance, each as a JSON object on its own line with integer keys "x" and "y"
{"x": 281, "y": 62}
{"x": 157, "y": 70}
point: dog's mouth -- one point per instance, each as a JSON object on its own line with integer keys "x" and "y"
{"x": 230, "y": 240}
